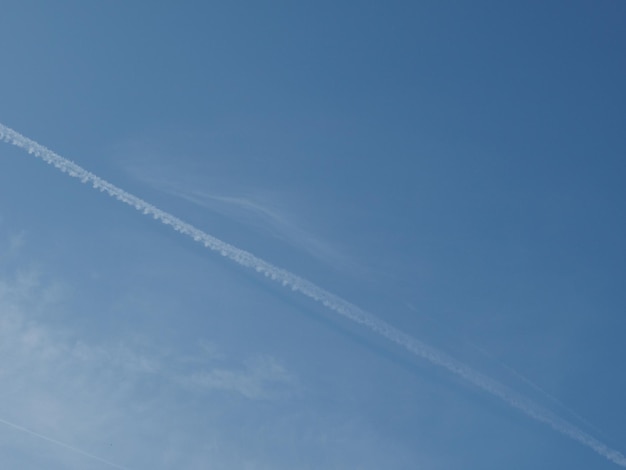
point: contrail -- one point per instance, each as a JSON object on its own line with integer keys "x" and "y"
{"x": 62, "y": 444}
{"x": 533, "y": 385}
{"x": 312, "y": 291}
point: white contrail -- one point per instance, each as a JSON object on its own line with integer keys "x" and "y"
{"x": 329, "y": 300}
{"x": 62, "y": 444}
{"x": 533, "y": 385}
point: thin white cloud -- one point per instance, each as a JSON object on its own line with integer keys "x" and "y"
{"x": 27, "y": 348}
{"x": 256, "y": 381}
{"x": 260, "y": 211}
{"x": 65, "y": 391}
{"x": 13, "y": 245}
{"x": 312, "y": 291}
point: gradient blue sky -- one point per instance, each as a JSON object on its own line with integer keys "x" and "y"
{"x": 455, "y": 168}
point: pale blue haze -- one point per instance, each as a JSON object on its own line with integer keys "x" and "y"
{"x": 455, "y": 168}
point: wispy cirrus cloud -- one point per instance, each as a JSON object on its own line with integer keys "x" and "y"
{"x": 77, "y": 396}
{"x": 13, "y": 245}
{"x": 27, "y": 338}
{"x": 33, "y": 357}
{"x": 262, "y": 211}
{"x": 259, "y": 379}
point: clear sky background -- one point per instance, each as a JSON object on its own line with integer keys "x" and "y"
{"x": 455, "y": 168}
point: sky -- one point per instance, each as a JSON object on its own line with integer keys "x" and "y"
{"x": 430, "y": 200}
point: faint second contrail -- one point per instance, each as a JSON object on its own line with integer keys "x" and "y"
{"x": 329, "y": 300}
{"x": 61, "y": 444}
{"x": 533, "y": 385}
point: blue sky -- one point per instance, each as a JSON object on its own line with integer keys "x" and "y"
{"x": 454, "y": 168}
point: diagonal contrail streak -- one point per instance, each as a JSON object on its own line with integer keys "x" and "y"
{"x": 533, "y": 385}
{"x": 312, "y": 291}
{"x": 61, "y": 444}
